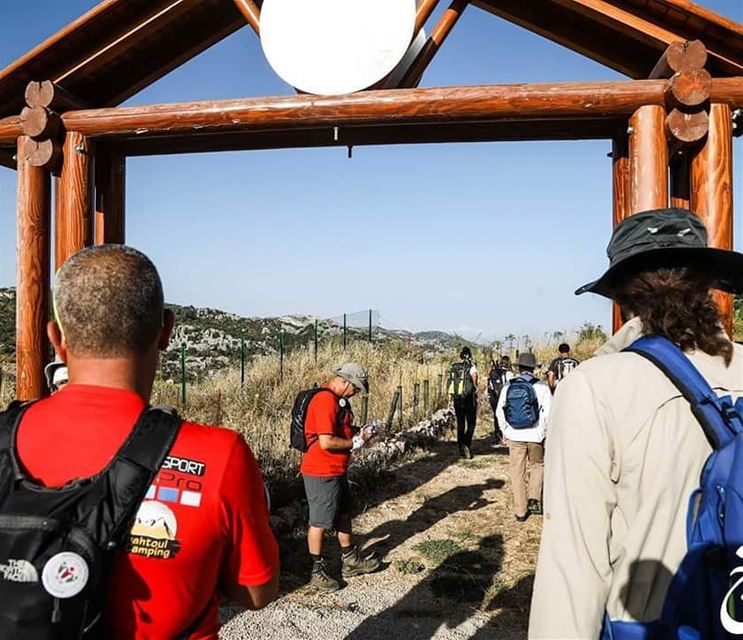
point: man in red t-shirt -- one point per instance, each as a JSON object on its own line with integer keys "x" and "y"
{"x": 203, "y": 525}
{"x": 330, "y": 436}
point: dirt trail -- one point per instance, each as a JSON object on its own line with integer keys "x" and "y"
{"x": 456, "y": 563}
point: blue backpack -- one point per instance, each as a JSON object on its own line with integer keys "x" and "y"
{"x": 704, "y": 597}
{"x": 521, "y": 407}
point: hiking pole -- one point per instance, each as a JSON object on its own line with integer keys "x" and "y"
{"x": 370, "y": 326}
{"x": 315, "y": 340}
{"x": 345, "y": 331}
{"x": 281, "y": 355}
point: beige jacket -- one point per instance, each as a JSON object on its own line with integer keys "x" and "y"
{"x": 624, "y": 454}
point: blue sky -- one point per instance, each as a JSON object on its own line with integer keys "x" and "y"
{"x": 484, "y": 239}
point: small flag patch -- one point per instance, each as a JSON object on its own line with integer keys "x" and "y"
{"x": 191, "y": 498}
{"x": 167, "y": 494}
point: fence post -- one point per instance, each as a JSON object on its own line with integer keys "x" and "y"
{"x": 315, "y": 340}
{"x": 399, "y": 402}
{"x": 393, "y": 407}
{"x": 416, "y": 399}
{"x": 281, "y": 355}
{"x": 242, "y": 361}
{"x": 345, "y": 331}
{"x": 425, "y": 396}
{"x": 440, "y": 393}
{"x": 370, "y": 325}
{"x": 364, "y": 409}
{"x": 183, "y": 374}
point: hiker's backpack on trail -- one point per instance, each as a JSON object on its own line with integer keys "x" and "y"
{"x": 459, "y": 381}
{"x": 297, "y": 438}
{"x": 57, "y": 544}
{"x": 496, "y": 380}
{"x": 521, "y": 407}
{"x": 704, "y": 596}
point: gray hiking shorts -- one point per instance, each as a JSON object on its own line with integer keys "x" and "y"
{"x": 328, "y": 498}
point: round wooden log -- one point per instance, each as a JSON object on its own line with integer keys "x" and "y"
{"x": 39, "y": 122}
{"x": 683, "y": 128}
{"x": 39, "y": 94}
{"x": 712, "y": 191}
{"x": 648, "y": 159}
{"x": 680, "y": 57}
{"x": 32, "y": 304}
{"x": 689, "y": 89}
{"x": 45, "y": 153}
{"x": 74, "y": 221}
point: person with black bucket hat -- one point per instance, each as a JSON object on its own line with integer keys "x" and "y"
{"x": 626, "y": 452}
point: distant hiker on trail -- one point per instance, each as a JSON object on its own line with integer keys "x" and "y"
{"x": 500, "y": 373}
{"x": 169, "y": 512}
{"x": 626, "y": 452}
{"x": 462, "y": 388}
{"x": 561, "y": 366}
{"x": 523, "y": 408}
{"x": 329, "y": 440}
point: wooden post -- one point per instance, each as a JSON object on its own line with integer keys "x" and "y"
{"x": 110, "y": 198}
{"x": 620, "y": 198}
{"x": 74, "y": 220}
{"x": 32, "y": 304}
{"x": 648, "y": 159}
{"x": 712, "y": 191}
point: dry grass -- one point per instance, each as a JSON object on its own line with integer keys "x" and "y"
{"x": 261, "y": 408}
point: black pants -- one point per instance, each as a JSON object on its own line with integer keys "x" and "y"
{"x": 496, "y": 427}
{"x": 466, "y": 412}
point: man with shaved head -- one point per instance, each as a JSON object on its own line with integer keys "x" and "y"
{"x": 203, "y": 523}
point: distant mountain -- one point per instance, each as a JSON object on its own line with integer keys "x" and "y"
{"x": 213, "y": 338}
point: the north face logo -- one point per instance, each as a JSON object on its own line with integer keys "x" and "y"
{"x": 19, "y": 571}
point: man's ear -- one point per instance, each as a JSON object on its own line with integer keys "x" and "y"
{"x": 167, "y": 330}
{"x": 54, "y": 333}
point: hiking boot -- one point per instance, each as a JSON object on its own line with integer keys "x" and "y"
{"x": 322, "y": 580}
{"x": 534, "y": 506}
{"x": 467, "y": 453}
{"x": 522, "y": 518}
{"x": 355, "y": 565}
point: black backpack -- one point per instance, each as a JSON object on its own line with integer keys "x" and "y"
{"x": 297, "y": 439}
{"x": 459, "y": 381}
{"x": 57, "y": 545}
{"x": 496, "y": 381}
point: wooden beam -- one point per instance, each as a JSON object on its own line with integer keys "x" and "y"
{"x": 74, "y": 224}
{"x": 680, "y": 57}
{"x": 512, "y": 130}
{"x": 440, "y": 32}
{"x": 46, "y": 93}
{"x": 727, "y": 91}
{"x": 712, "y": 192}
{"x": 648, "y": 159}
{"x": 412, "y": 106}
{"x": 11, "y": 128}
{"x": 32, "y": 303}
{"x": 423, "y": 12}
{"x": 620, "y": 197}
{"x": 110, "y": 198}
{"x": 251, "y": 12}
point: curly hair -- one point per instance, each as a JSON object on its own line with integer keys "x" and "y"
{"x": 678, "y": 303}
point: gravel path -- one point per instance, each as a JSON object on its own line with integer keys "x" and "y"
{"x": 456, "y": 564}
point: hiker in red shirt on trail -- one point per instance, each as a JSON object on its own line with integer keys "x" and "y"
{"x": 202, "y": 527}
{"x": 330, "y": 439}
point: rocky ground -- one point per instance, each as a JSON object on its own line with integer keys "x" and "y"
{"x": 456, "y": 563}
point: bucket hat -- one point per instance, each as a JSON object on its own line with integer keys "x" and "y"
{"x": 669, "y": 237}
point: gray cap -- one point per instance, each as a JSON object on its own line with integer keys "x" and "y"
{"x": 355, "y": 374}
{"x": 527, "y": 359}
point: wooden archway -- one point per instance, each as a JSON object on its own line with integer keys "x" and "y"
{"x": 671, "y": 138}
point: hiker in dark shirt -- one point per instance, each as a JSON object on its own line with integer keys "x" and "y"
{"x": 462, "y": 388}
{"x": 560, "y": 366}
{"x": 500, "y": 374}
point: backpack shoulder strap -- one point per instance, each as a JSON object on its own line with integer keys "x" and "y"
{"x": 151, "y": 438}
{"x": 9, "y": 421}
{"x": 719, "y": 422}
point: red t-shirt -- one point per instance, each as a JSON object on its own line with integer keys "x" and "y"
{"x": 203, "y": 522}
{"x": 322, "y": 419}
